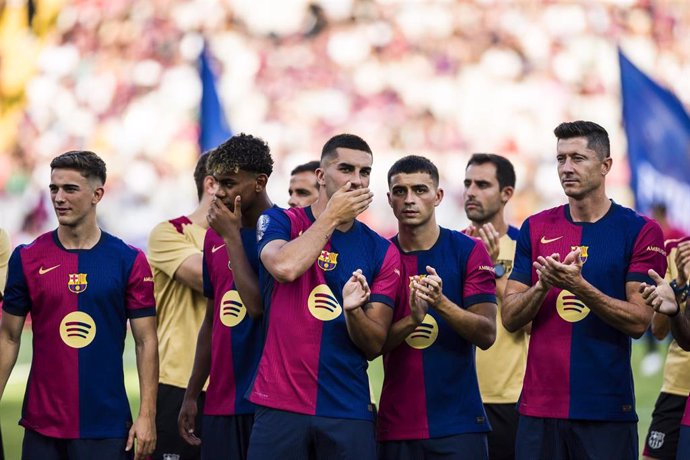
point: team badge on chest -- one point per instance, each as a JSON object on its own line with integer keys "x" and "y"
{"x": 77, "y": 283}
{"x": 327, "y": 260}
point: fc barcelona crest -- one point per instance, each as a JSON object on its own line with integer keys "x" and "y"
{"x": 583, "y": 252}
{"x": 77, "y": 283}
{"x": 327, "y": 260}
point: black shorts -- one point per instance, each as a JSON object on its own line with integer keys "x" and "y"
{"x": 459, "y": 446}
{"x": 169, "y": 441}
{"x": 504, "y": 423}
{"x": 662, "y": 438}
{"x": 36, "y": 446}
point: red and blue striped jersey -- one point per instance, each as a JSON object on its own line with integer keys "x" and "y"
{"x": 236, "y": 338}
{"x": 578, "y": 366}
{"x": 309, "y": 363}
{"x": 79, "y": 302}
{"x": 430, "y": 388}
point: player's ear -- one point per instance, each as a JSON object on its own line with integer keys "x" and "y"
{"x": 320, "y": 179}
{"x": 606, "y": 166}
{"x": 439, "y": 196}
{"x": 98, "y": 193}
{"x": 261, "y": 181}
{"x": 507, "y": 193}
{"x": 210, "y": 185}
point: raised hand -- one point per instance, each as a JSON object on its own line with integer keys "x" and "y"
{"x": 682, "y": 261}
{"x": 564, "y": 275}
{"x": 346, "y": 204}
{"x": 356, "y": 291}
{"x": 222, "y": 220}
{"x": 418, "y": 306}
{"x": 660, "y": 297}
{"x": 491, "y": 239}
{"x": 430, "y": 287}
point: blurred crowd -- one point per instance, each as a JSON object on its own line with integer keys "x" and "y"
{"x": 439, "y": 78}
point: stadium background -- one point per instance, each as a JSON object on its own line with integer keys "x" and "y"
{"x": 438, "y": 78}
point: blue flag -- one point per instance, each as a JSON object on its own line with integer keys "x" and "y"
{"x": 213, "y": 127}
{"x": 658, "y": 131}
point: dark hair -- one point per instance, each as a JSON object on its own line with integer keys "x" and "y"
{"x": 344, "y": 141}
{"x": 306, "y": 167}
{"x": 414, "y": 164}
{"x": 200, "y": 172}
{"x": 505, "y": 173}
{"x": 242, "y": 151}
{"x": 597, "y": 137}
{"x": 86, "y": 162}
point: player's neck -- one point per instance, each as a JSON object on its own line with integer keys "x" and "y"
{"x": 419, "y": 237}
{"x": 590, "y": 208}
{"x": 81, "y": 236}
{"x": 249, "y": 217}
{"x": 198, "y": 217}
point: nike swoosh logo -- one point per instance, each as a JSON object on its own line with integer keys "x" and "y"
{"x": 215, "y": 248}
{"x": 545, "y": 240}
{"x": 43, "y": 271}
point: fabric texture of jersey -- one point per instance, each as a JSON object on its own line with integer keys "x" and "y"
{"x": 686, "y": 415}
{"x": 501, "y": 368}
{"x": 236, "y": 339}
{"x": 79, "y": 302}
{"x": 309, "y": 364}
{"x": 430, "y": 387}
{"x": 180, "y": 309}
{"x": 570, "y": 346}
{"x": 677, "y": 366}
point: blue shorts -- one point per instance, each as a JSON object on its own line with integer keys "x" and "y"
{"x": 37, "y": 446}
{"x": 562, "y": 439}
{"x": 226, "y": 436}
{"x": 285, "y": 435}
{"x": 683, "y": 443}
{"x": 456, "y": 447}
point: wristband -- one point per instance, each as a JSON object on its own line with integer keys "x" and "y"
{"x": 681, "y": 292}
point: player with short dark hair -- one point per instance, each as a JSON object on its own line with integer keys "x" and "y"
{"x": 329, "y": 288}
{"x": 175, "y": 252}
{"x": 664, "y": 430}
{"x": 81, "y": 285}
{"x": 304, "y": 189}
{"x": 489, "y": 185}
{"x": 576, "y": 276}
{"x": 231, "y": 337}
{"x": 430, "y": 403}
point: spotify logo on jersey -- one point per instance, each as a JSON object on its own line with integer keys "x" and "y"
{"x": 232, "y": 310}
{"x": 424, "y": 335}
{"x": 77, "y": 329}
{"x": 570, "y": 308}
{"x": 322, "y": 303}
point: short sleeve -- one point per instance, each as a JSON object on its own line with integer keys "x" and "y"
{"x": 648, "y": 252}
{"x": 479, "y": 285}
{"x": 272, "y": 225}
{"x": 4, "y": 258}
{"x": 168, "y": 248}
{"x": 139, "y": 299}
{"x": 17, "y": 300}
{"x": 386, "y": 283}
{"x": 522, "y": 266}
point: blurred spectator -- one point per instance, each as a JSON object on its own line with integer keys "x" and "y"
{"x": 436, "y": 78}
